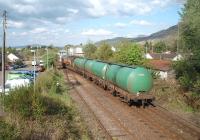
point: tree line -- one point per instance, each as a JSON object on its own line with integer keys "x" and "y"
{"x": 124, "y": 52}
{"x": 188, "y": 69}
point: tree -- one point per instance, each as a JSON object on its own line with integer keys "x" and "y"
{"x": 52, "y": 58}
{"x": 188, "y": 70}
{"x": 160, "y": 47}
{"x": 89, "y": 50}
{"x": 104, "y": 52}
{"x": 129, "y": 53}
{"x": 148, "y": 47}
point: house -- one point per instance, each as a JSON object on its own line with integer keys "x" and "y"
{"x": 61, "y": 54}
{"x": 12, "y": 57}
{"x": 164, "y": 56}
{"x": 76, "y": 51}
{"x": 163, "y": 68}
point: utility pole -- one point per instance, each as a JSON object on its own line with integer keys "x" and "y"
{"x": 3, "y": 51}
{"x": 33, "y": 51}
{"x": 177, "y": 49}
{"x": 47, "y": 58}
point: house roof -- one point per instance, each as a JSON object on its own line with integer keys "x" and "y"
{"x": 163, "y": 55}
{"x": 162, "y": 65}
{"x": 12, "y": 56}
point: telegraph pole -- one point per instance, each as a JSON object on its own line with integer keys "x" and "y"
{"x": 177, "y": 49}
{"x": 3, "y": 51}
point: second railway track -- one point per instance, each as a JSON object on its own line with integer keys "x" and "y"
{"x": 117, "y": 120}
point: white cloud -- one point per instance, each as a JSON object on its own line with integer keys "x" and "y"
{"x": 97, "y": 32}
{"x": 120, "y": 25}
{"x": 15, "y": 24}
{"x": 13, "y": 33}
{"x": 66, "y": 30}
{"x": 24, "y": 33}
{"x": 160, "y": 3}
{"x": 74, "y": 11}
{"x": 136, "y": 7}
{"x": 141, "y": 22}
{"x": 39, "y": 30}
{"x": 25, "y": 9}
{"x": 63, "y": 19}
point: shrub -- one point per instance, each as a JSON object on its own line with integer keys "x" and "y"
{"x": 7, "y": 131}
{"x": 129, "y": 53}
{"x": 24, "y": 102}
{"x": 50, "y": 82}
{"x": 43, "y": 114}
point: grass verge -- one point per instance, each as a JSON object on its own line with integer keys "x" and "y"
{"x": 169, "y": 95}
{"x": 46, "y": 114}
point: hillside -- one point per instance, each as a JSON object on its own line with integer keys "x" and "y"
{"x": 168, "y": 35}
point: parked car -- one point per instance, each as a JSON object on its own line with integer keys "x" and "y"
{"x": 34, "y": 63}
{"x": 7, "y": 89}
{"x": 13, "y": 67}
{"x": 41, "y": 63}
{"x": 15, "y": 83}
{"x": 22, "y": 73}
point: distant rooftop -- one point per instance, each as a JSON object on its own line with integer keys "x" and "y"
{"x": 163, "y": 65}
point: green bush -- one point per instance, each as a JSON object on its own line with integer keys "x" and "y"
{"x": 44, "y": 114}
{"x": 8, "y": 132}
{"x": 128, "y": 53}
{"x": 50, "y": 82}
{"x": 185, "y": 82}
{"x": 24, "y": 102}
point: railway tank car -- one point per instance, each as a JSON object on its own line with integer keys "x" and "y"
{"x": 132, "y": 84}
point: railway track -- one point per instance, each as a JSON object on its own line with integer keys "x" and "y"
{"x": 120, "y": 121}
{"x": 115, "y": 129}
{"x": 72, "y": 80}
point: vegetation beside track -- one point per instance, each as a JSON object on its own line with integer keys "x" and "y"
{"x": 170, "y": 95}
{"x": 49, "y": 113}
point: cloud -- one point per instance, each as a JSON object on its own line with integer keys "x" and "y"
{"x": 25, "y": 9}
{"x": 15, "y": 24}
{"x": 97, "y": 32}
{"x": 38, "y": 30}
{"x": 141, "y": 22}
{"x": 120, "y": 25}
{"x": 43, "y": 17}
{"x": 24, "y": 33}
{"x": 67, "y": 30}
{"x": 74, "y": 11}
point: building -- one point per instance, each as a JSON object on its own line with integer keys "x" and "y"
{"x": 163, "y": 56}
{"x": 162, "y": 68}
{"x": 12, "y": 57}
{"x": 62, "y": 53}
{"x": 76, "y": 50}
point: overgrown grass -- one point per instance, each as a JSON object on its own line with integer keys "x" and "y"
{"x": 7, "y": 131}
{"x": 168, "y": 94}
{"x": 46, "y": 114}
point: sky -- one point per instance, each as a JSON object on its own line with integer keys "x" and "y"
{"x": 61, "y": 22}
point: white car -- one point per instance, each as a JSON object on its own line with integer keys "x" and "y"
{"x": 41, "y": 63}
{"x": 15, "y": 83}
{"x": 34, "y": 63}
{"x": 7, "y": 89}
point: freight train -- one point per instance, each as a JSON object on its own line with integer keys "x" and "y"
{"x": 131, "y": 83}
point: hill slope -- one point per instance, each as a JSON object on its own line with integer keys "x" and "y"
{"x": 168, "y": 35}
